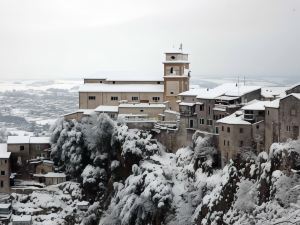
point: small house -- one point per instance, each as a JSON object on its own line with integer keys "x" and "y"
{"x": 5, "y": 208}
{"x": 22, "y": 220}
{"x": 83, "y": 206}
{"x": 54, "y": 178}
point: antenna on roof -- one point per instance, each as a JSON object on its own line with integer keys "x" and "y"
{"x": 180, "y": 46}
{"x": 238, "y": 85}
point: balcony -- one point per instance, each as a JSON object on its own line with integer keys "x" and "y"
{"x": 249, "y": 117}
{"x": 186, "y": 108}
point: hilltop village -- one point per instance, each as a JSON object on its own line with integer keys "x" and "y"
{"x": 237, "y": 115}
{"x": 239, "y": 118}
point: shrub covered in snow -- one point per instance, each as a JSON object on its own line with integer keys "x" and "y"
{"x": 129, "y": 179}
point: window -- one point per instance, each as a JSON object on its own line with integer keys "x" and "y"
{"x": 224, "y": 142}
{"x": 257, "y": 126}
{"x": 222, "y": 128}
{"x": 209, "y": 110}
{"x": 227, "y": 143}
{"x": 228, "y": 129}
{"x": 171, "y": 92}
{"x": 1, "y": 184}
{"x": 261, "y": 113}
{"x": 5, "y": 161}
{"x": 241, "y": 130}
{"x": 241, "y": 143}
{"x": 201, "y": 107}
{"x": 217, "y": 130}
{"x": 114, "y": 82}
{"x": 2, "y": 173}
{"x": 268, "y": 112}
{"x": 155, "y": 99}
{"x": 293, "y": 112}
{"x": 171, "y": 70}
{"x": 201, "y": 121}
{"x": 135, "y": 98}
{"x": 92, "y": 97}
{"x": 141, "y": 110}
{"x": 22, "y": 148}
{"x": 158, "y": 82}
{"x": 209, "y": 122}
{"x": 114, "y": 98}
{"x": 191, "y": 123}
{"x": 173, "y": 57}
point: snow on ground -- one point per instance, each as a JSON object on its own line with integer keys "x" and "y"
{"x": 51, "y": 205}
{"x": 40, "y": 85}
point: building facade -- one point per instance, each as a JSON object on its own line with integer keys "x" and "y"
{"x": 282, "y": 120}
{"x": 5, "y": 171}
{"x": 201, "y": 108}
{"x": 176, "y": 77}
{"x": 25, "y": 148}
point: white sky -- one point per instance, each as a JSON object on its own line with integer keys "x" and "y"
{"x": 73, "y": 38}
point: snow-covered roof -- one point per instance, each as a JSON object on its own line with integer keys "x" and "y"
{"x": 142, "y": 105}
{"x": 271, "y": 92}
{"x": 100, "y": 87}
{"x": 229, "y": 89}
{"x": 187, "y": 104}
{"x": 23, "y": 218}
{"x": 3, "y": 151}
{"x": 296, "y": 95}
{"x": 292, "y": 87}
{"x": 193, "y": 92}
{"x": 5, "y": 205}
{"x": 27, "y": 140}
{"x": 176, "y": 61}
{"x": 172, "y": 112}
{"x": 39, "y": 140}
{"x": 18, "y": 139}
{"x": 256, "y": 105}
{"x": 175, "y": 51}
{"x": 83, "y": 111}
{"x": 235, "y": 118}
{"x": 107, "y": 108}
{"x": 52, "y": 174}
{"x": 273, "y": 104}
{"x": 227, "y": 98}
{"x": 83, "y": 203}
{"x": 124, "y": 77}
{"x": 219, "y": 108}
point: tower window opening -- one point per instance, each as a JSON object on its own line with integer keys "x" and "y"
{"x": 171, "y": 70}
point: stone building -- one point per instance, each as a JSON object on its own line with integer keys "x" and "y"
{"x": 4, "y": 169}
{"x": 293, "y": 89}
{"x": 282, "y": 119}
{"x": 243, "y": 131}
{"x": 258, "y": 125}
{"x": 25, "y": 148}
{"x": 176, "y": 77}
{"x": 147, "y": 95}
{"x": 201, "y": 108}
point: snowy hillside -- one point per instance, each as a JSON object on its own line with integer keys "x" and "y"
{"x": 129, "y": 178}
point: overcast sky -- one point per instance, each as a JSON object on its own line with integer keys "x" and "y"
{"x": 73, "y": 39}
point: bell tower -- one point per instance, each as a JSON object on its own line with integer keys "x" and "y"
{"x": 176, "y": 76}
